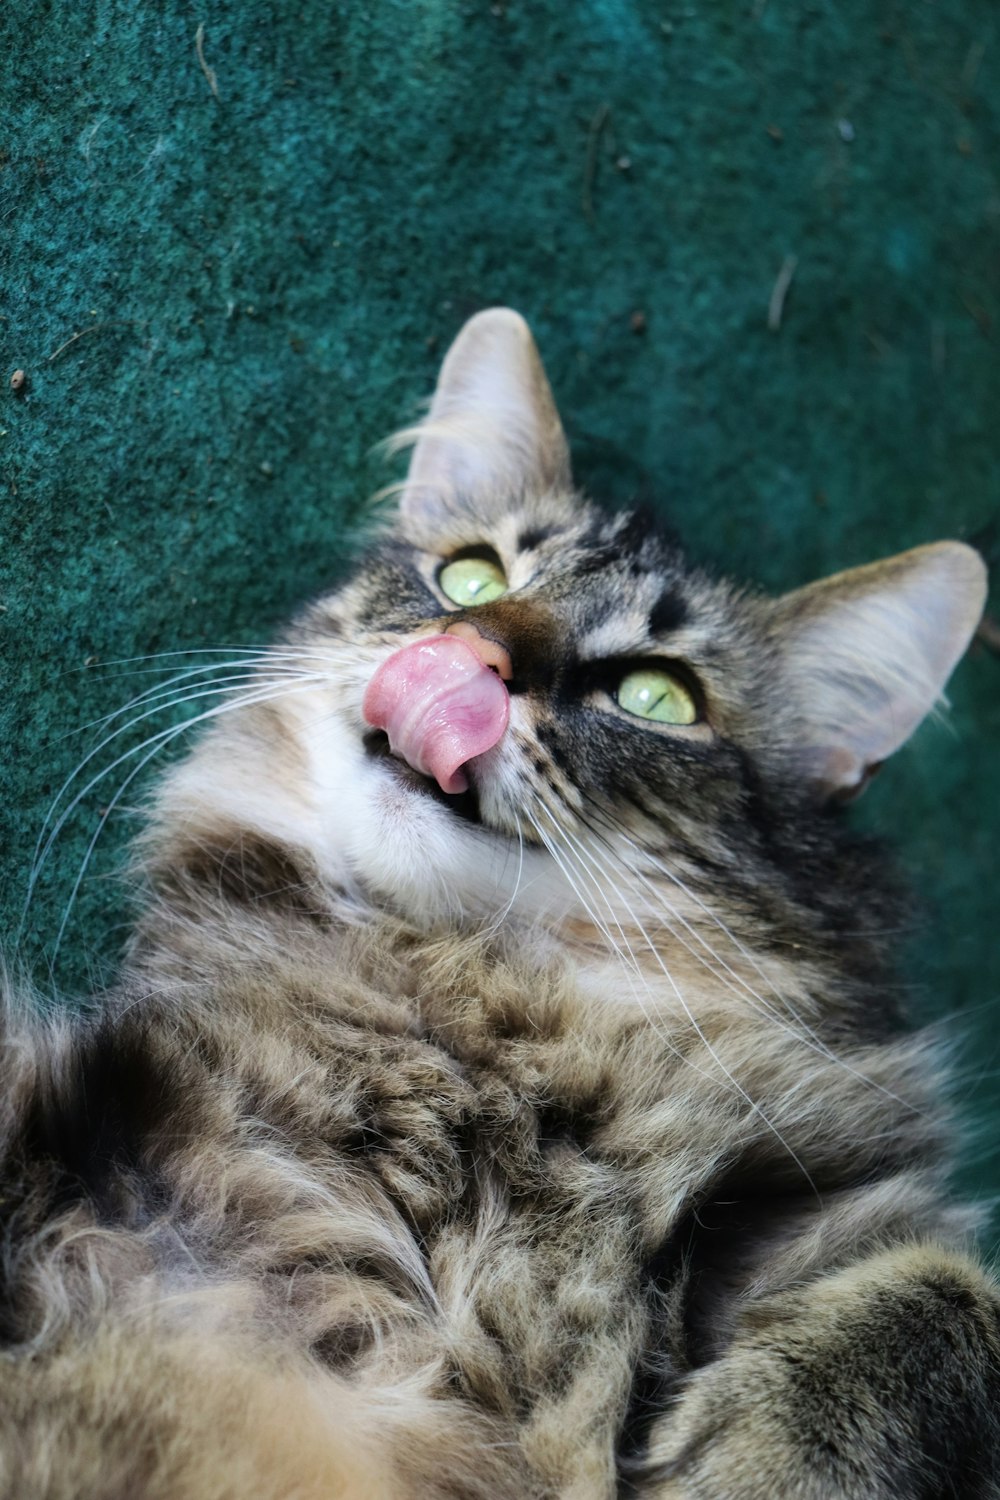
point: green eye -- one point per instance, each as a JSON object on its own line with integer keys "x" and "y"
{"x": 655, "y": 695}
{"x": 472, "y": 580}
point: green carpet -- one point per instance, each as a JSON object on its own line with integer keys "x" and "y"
{"x": 226, "y": 282}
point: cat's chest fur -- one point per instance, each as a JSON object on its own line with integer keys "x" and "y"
{"x": 460, "y": 1076}
{"x": 546, "y": 1193}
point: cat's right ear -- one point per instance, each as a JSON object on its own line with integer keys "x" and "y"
{"x": 865, "y": 655}
{"x": 492, "y": 435}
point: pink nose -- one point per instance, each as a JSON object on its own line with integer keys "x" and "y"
{"x": 490, "y": 653}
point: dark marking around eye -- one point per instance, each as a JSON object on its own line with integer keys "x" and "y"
{"x": 533, "y": 537}
{"x": 595, "y": 560}
{"x": 667, "y": 614}
{"x": 481, "y": 550}
{"x": 606, "y": 675}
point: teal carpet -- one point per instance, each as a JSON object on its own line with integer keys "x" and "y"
{"x": 227, "y": 276}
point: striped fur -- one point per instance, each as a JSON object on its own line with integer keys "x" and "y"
{"x": 557, "y": 1140}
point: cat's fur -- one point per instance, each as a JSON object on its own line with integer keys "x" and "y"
{"x": 554, "y": 1140}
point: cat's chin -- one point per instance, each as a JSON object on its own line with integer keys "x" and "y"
{"x": 464, "y": 805}
{"x": 376, "y": 827}
{"x": 416, "y": 854}
{"x": 407, "y": 843}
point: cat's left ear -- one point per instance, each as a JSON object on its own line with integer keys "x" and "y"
{"x": 493, "y": 432}
{"x": 866, "y": 654}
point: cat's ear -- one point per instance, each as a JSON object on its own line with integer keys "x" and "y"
{"x": 866, "y": 654}
{"x": 493, "y": 431}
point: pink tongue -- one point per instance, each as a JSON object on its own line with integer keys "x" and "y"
{"x": 440, "y": 706}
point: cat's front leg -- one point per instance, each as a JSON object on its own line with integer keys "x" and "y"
{"x": 880, "y": 1382}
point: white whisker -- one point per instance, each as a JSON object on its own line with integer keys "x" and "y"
{"x": 754, "y": 1105}
{"x": 158, "y": 741}
{"x": 564, "y": 868}
{"x": 787, "y": 1019}
{"x": 249, "y": 666}
{"x": 631, "y": 966}
{"x": 42, "y": 850}
{"x": 502, "y": 915}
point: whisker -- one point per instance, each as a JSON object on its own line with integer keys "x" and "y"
{"x": 124, "y": 661}
{"x": 562, "y": 865}
{"x": 631, "y": 968}
{"x": 565, "y": 833}
{"x": 653, "y": 1019}
{"x": 714, "y": 962}
{"x": 790, "y": 1021}
{"x": 156, "y": 691}
{"x": 165, "y": 690}
{"x": 40, "y": 857}
{"x": 158, "y": 742}
{"x": 501, "y": 916}
{"x": 284, "y": 661}
{"x": 754, "y": 1105}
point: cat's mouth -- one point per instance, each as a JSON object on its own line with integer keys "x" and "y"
{"x": 463, "y": 804}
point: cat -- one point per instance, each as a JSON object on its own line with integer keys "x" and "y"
{"x": 504, "y": 1095}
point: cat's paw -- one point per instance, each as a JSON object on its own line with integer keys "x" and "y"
{"x": 738, "y": 1435}
{"x": 855, "y": 1388}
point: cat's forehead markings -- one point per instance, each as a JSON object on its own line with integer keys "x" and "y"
{"x": 625, "y": 631}
{"x": 522, "y": 561}
{"x": 669, "y": 611}
{"x": 531, "y": 537}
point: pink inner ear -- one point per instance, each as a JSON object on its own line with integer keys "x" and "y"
{"x": 440, "y": 705}
{"x": 493, "y": 427}
{"x": 867, "y": 654}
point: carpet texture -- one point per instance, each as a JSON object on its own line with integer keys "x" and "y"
{"x": 235, "y": 239}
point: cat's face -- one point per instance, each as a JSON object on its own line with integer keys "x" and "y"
{"x": 630, "y": 685}
{"x": 536, "y": 703}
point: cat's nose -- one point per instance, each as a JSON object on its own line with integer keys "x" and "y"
{"x": 490, "y": 652}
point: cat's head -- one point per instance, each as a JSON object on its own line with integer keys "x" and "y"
{"x": 533, "y": 701}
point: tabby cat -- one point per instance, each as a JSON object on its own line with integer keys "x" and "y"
{"x": 504, "y": 1096}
